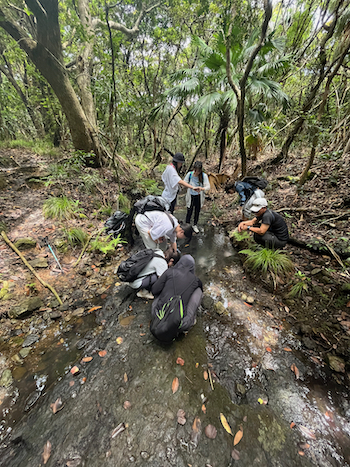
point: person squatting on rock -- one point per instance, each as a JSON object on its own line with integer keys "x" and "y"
{"x": 195, "y": 199}
{"x": 248, "y": 193}
{"x": 180, "y": 280}
{"x": 173, "y": 181}
{"x": 153, "y": 270}
{"x": 268, "y": 227}
{"x": 154, "y": 226}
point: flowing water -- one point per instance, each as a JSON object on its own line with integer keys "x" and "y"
{"x": 122, "y": 407}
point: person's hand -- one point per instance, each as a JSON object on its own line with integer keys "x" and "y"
{"x": 241, "y": 227}
{"x": 160, "y": 240}
{"x": 197, "y": 188}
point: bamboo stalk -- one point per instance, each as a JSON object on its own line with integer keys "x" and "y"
{"x": 45, "y": 284}
{"x": 85, "y": 246}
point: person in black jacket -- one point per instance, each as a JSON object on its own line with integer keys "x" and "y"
{"x": 179, "y": 280}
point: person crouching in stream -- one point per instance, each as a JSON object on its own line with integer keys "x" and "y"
{"x": 269, "y": 228}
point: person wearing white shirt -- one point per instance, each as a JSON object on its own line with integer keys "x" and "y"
{"x": 172, "y": 181}
{"x": 195, "y": 200}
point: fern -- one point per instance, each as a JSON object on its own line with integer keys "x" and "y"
{"x": 300, "y": 286}
{"x": 106, "y": 245}
{"x": 239, "y": 236}
{"x": 75, "y": 236}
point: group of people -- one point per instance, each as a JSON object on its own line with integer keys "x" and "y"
{"x": 168, "y": 273}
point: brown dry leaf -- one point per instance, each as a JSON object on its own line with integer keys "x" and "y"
{"x": 310, "y": 434}
{"x": 204, "y": 409}
{"x": 125, "y": 378}
{"x": 287, "y": 349}
{"x": 57, "y": 405}
{"x": 295, "y": 370}
{"x": 305, "y": 446}
{"x": 75, "y": 370}
{"x": 47, "y": 452}
{"x": 210, "y": 431}
{"x": 235, "y": 454}
{"x": 180, "y": 361}
{"x": 292, "y": 425}
{"x": 238, "y": 437}
{"x": 119, "y": 340}
{"x": 94, "y": 308}
{"x": 181, "y": 419}
{"x": 245, "y": 418}
{"x": 205, "y": 375}
{"x": 175, "y": 384}
{"x": 86, "y": 359}
{"x": 127, "y": 405}
{"x": 102, "y": 353}
{"x": 103, "y": 296}
{"x": 301, "y": 453}
{"x": 348, "y": 304}
{"x": 71, "y": 383}
{"x": 225, "y": 424}
{"x": 196, "y": 425}
{"x": 142, "y": 334}
{"x": 127, "y": 320}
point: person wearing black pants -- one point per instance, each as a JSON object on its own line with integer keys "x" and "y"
{"x": 195, "y": 196}
{"x": 196, "y": 205}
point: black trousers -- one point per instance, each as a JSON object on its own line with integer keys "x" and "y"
{"x": 269, "y": 240}
{"x": 172, "y": 205}
{"x": 196, "y": 205}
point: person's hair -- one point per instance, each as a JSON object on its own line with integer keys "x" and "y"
{"x": 199, "y": 165}
{"x": 178, "y": 158}
{"x": 188, "y": 231}
{"x": 169, "y": 254}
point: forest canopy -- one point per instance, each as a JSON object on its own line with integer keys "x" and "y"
{"x": 139, "y": 80}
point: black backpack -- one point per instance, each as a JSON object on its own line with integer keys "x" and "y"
{"x": 151, "y": 203}
{"x": 120, "y": 224}
{"x": 256, "y": 181}
{"x": 166, "y": 323}
{"x": 129, "y": 270}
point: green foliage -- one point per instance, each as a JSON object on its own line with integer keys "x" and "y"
{"x": 105, "y": 245}
{"x": 61, "y": 208}
{"x": 90, "y": 180}
{"x": 124, "y": 203}
{"x": 41, "y": 147}
{"x": 151, "y": 186}
{"x": 106, "y": 210}
{"x": 267, "y": 261}
{"x": 300, "y": 285}
{"x": 215, "y": 210}
{"x": 75, "y": 236}
{"x": 240, "y": 236}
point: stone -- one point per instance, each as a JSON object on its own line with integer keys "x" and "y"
{"x": 220, "y": 308}
{"x": 207, "y": 302}
{"x": 6, "y": 378}
{"x": 39, "y": 263}
{"x": 26, "y": 307}
{"x": 78, "y": 312}
{"x": 316, "y": 271}
{"x": 25, "y": 352}
{"x": 336, "y": 363}
{"x": 30, "y": 340}
{"x": 250, "y": 300}
{"x": 17, "y": 359}
{"x": 244, "y": 297}
{"x": 54, "y": 303}
{"x": 25, "y": 243}
{"x": 241, "y": 389}
{"x": 54, "y": 314}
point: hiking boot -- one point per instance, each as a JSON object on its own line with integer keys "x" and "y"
{"x": 195, "y": 229}
{"x": 145, "y": 294}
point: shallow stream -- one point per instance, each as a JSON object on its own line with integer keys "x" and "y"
{"x": 122, "y": 407}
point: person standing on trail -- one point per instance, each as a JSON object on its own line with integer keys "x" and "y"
{"x": 180, "y": 280}
{"x": 154, "y": 269}
{"x": 155, "y": 226}
{"x": 269, "y": 228}
{"x": 195, "y": 199}
{"x": 172, "y": 181}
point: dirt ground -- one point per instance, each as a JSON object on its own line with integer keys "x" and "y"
{"x": 317, "y": 217}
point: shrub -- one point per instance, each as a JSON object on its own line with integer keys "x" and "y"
{"x": 75, "y": 236}
{"x": 61, "y": 208}
{"x": 268, "y": 261}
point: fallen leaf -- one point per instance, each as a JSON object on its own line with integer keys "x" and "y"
{"x": 83, "y": 380}
{"x": 245, "y": 418}
{"x": 301, "y": 453}
{"x": 268, "y": 349}
{"x": 127, "y": 320}
{"x": 94, "y": 308}
{"x": 180, "y": 361}
{"x": 205, "y": 375}
{"x": 57, "y": 405}
{"x": 287, "y": 349}
{"x": 204, "y": 409}
{"x": 295, "y": 371}
{"x": 305, "y": 446}
{"x": 210, "y": 431}
{"x": 117, "y": 284}
{"x": 125, "y": 378}
{"x": 348, "y": 304}
{"x": 225, "y": 424}
{"x": 292, "y": 425}
{"x": 93, "y": 266}
{"x": 86, "y": 359}
{"x": 103, "y": 296}
{"x": 127, "y": 405}
{"x": 196, "y": 425}
{"x": 74, "y": 462}
{"x": 71, "y": 383}
{"x": 175, "y": 385}
{"x": 181, "y": 419}
{"x": 307, "y": 432}
{"x": 117, "y": 430}
{"x": 75, "y": 370}
{"x": 142, "y": 334}
{"x": 235, "y": 454}
{"x": 247, "y": 304}
{"x": 61, "y": 341}
{"x": 47, "y": 452}
{"x": 119, "y": 340}
{"x": 102, "y": 353}
{"x": 238, "y": 437}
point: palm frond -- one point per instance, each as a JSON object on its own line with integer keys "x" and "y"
{"x": 161, "y": 111}
{"x": 273, "y": 67}
{"x": 269, "y": 89}
{"x": 184, "y": 89}
{"x": 180, "y": 75}
{"x": 205, "y": 105}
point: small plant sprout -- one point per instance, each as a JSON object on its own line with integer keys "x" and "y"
{"x": 105, "y": 245}
{"x": 300, "y": 286}
{"x": 75, "y": 236}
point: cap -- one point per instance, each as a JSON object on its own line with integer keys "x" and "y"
{"x": 179, "y": 157}
{"x": 258, "y": 204}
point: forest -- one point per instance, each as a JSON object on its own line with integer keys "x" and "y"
{"x": 95, "y": 100}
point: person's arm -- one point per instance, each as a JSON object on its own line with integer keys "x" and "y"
{"x": 158, "y": 286}
{"x": 174, "y": 246}
{"x": 187, "y": 185}
{"x": 206, "y": 184}
{"x": 260, "y": 230}
{"x": 245, "y": 224}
